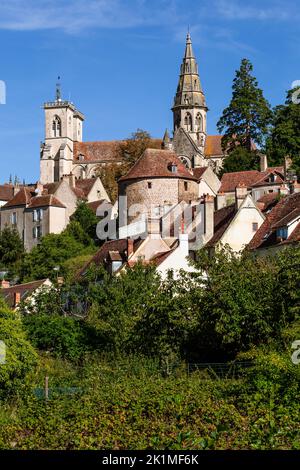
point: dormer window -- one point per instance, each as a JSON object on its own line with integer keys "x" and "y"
{"x": 282, "y": 232}
{"x": 272, "y": 178}
{"x": 80, "y": 157}
{"x": 172, "y": 167}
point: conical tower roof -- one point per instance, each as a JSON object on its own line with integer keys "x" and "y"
{"x": 189, "y": 91}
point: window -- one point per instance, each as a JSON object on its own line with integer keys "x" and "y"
{"x": 199, "y": 122}
{"x": 56, "y": 127}
{"x": 37, "y": 215}
{"x": 188, "y": 122}
{"x": 185, "y": 185}
{"x": 37, "y": 232}
{"x": 254, "y": 226}
{"x": 149, "y": 185}
{"x": 14, "y": 218}
{"x": 282, "y": 232}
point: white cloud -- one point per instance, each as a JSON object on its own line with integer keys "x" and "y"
{"x": 75, "y": 15}
{"x": 277, "y": 10}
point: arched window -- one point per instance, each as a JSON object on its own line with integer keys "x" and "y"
{"x": 199, "y": 122}
{"x": 56, "y": 127}
{"x": 188, "y": 122}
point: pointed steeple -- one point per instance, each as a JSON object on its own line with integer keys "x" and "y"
{"x": 189, "y": 90}
{"x": 189, "y": 109}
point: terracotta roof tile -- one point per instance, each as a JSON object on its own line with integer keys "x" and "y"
{"x": 156, "y": 163}
{"x": 266, "y": 235}
{"x": 199, "y": 172}
{"x": 6, "y": 192}
{"x": 45, "y": 201}
{"x": 230, "y": 181}
{"x": 104, "y": 151}
{"x": 95, "y": 204}
{"x": 24, "y": 290}
{"x": 22, "y": 198}
{"x": 222, "y": 219}
{"x": 85, "y": 185}
{"x": 213, "y": 145}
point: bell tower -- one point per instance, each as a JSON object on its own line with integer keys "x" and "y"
{"x": 189, "y": 109}
{"x": 63, "y": 127}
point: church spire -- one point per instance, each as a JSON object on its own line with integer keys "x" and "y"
{"x": 189, "y": 107}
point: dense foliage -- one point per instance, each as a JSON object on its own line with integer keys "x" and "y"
{"x": 20, "y": 356}
{"x": 284, "y": 140}
{"x": 247, "y": 118}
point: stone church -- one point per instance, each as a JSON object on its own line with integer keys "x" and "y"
{"x": 64, "y": 153}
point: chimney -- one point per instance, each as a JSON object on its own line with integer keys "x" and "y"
{"x": 263, "y": 162}
{"x": 72, "y": 180}
{"x": 240, "y": 194}
{"x": 296, "y": 187}
{"x": 153, "y": 227}
{"x": 130, "y": 242}
{"x": 17, "y": 298}
{"x": 287, "y": 164}
{"x": 284, "y": 191}
{"x": 221, "y": 200}
{"x": 208, "y": 216}
{"x": 5, "y": 284}
{"x": 184, "y": 243}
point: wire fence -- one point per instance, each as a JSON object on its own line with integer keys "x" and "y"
{"x": 205, "y": 371}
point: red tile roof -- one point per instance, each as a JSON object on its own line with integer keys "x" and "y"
{"x": 267, "y": 201}
{"x": 85, "y": 185}
{"x": 213, "y": 146}
{"x": 222, "y": 220}
{"x": 199, "y": 172}
{"x": 45, "y": 201}
{"x": 104, "y": 151}
{"x": 95, "y": 204}
{"x": 230, "y": 181}
{"x": 22, "y": 198}
{"x": 24, "y": 290}
{"x": 102, "y": 254}
{"x": 156, "y": 163}
{"x": 6, "y": 192}
{"x": 286, "y": 209}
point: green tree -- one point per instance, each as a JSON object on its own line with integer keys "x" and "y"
{"x": 133, "y": 148}
{"x": 11, "y": 247}
{"x": 284, "y": 138}
{"x": 20, "y": 359}
{"x": 240, "y": 159}
{"x": 87, "y": 219}
{"x": 248, "y": 116}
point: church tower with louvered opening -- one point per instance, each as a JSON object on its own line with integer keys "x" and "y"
{"x": 189, "y": 109}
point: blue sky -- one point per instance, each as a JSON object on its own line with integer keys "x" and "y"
{"x": 119, "y": 62}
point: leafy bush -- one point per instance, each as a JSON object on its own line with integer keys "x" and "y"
{"x": 21, "y": 358}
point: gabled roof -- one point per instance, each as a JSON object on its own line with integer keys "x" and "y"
{"x": 263, "y": 181}
{"x": 213, "y": 146}
{"x": 103, "y": 151}
{"x": 199, "y": 172}
{"x": 268, "y": 201}
{"x": 6, "y": 192}
{"x": 45, "y": 201}
{"x": 85, "y": 185}
{"x": 95, "y": 204}
{"x": 22, "y": 198}
{"x": 24, "y": 290}
{"x": 117, "y": 246}
{"x": 230, "y": 181}
{"x": 156, "y": 163}
{"x": 285, "y": 211}
{"x": 222, "y": 220}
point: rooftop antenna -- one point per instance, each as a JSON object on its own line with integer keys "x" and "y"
{"x": 58, "y": 89}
